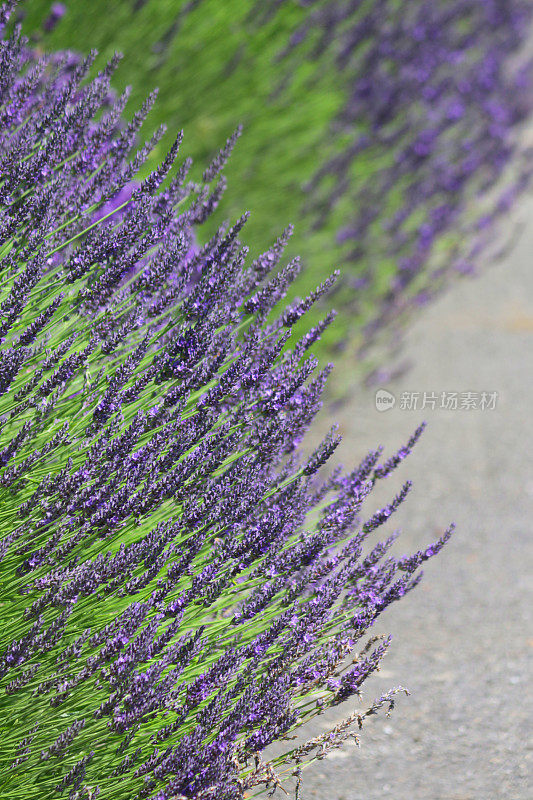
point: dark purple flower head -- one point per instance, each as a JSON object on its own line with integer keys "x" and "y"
{"x": 57, "y": 12}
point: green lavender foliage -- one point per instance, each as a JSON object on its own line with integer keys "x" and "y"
{"x": 217, "y": 62}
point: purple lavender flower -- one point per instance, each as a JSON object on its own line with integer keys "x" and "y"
{"x": 57, "y": 12}
{"x": 169, "y": 607}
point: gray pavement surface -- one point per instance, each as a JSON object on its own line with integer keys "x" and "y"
{"x": 463, "y": 640}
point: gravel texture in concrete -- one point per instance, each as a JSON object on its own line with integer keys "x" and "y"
{"x": 463, "y": 640}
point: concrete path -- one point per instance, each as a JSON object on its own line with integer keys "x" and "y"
{"x": 463, "y": 640}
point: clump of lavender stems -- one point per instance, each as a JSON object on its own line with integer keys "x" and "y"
{"x": 444, "y": 87}
{"x": 179, "y": 587}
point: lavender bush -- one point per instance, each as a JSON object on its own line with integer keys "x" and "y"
{"x": 435, "y": 84}
{"x": 389, "y": 131}
{"x": 179, "y": 587}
